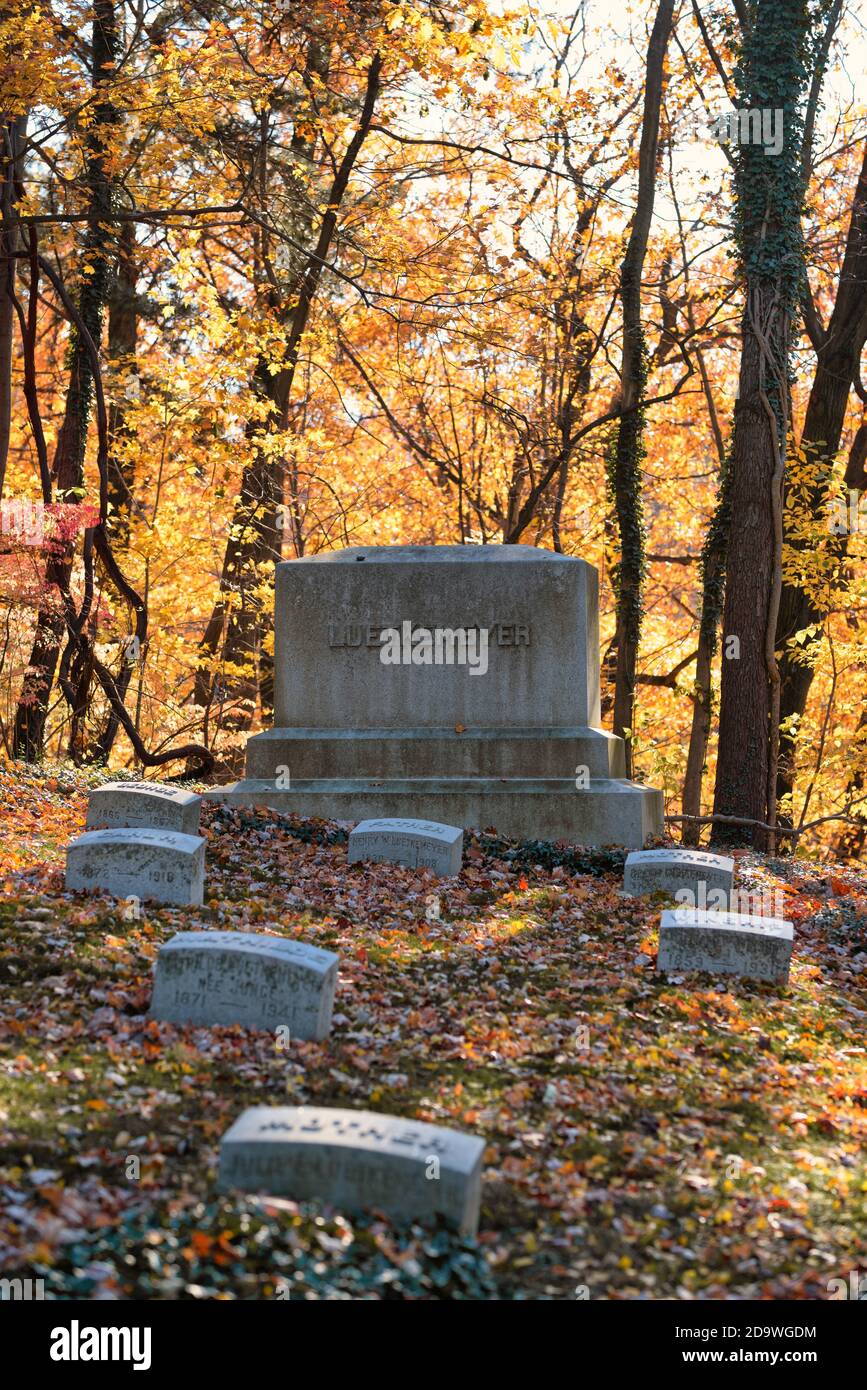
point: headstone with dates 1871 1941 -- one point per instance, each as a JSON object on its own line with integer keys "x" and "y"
{"x": 420, "y": 844}
{"x": 725, "y": 943}
{"x": 268, "y": 982}
{"x": 121, "y": 804}
{"x": 139, "y": 862}
{"x": 673, "y": 869}
{"x": 451, "y": 683}
{"x": 355, "y": 1159}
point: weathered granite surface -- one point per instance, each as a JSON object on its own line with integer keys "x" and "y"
{"x": 164, "y": 865}
{"x": 511, "y": 745}
{"x": 728, "y": 943}
{"x": 117, "y": 804}
{"x": 355, "y": 1159}
{"x": 675, "y": 868}
{"x": 268, "y": 982}
{"x": 416, "y": 843}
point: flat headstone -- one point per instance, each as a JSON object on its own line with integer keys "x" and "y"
{"x": 420, "y": 844}
{"x": 153, "y": 804}
{"x": 139, "y": 862}
{"x": 674, "y": 869}
{"x": 356, "y": 1159}
{"x": 267, "y": 982}
{"x": 726, "y": 943}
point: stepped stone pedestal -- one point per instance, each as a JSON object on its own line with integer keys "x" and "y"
{"x": 484, "y": 712}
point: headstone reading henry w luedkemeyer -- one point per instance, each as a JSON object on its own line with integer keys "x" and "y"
{"x": 676, "y": 867}
{"x": 450, "y": 683}
{"x": 417, "y": 843}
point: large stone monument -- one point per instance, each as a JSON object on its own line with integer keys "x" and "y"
{"x": 450, "y": 683}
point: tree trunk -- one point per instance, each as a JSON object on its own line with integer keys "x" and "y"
{"x": 838, "y": 354}
{"x": 771, "y": 73}
{"x": 254, "y": 543}
{"x": 12, "y": 133}
{"x": 713, "y": 570}
{"x": 68, "y": 469}
{"x": 851, "y": 841}
{"x": 742, "y": 765}
{"x": 629, "y": 449}
{"x": 122, "y": 344}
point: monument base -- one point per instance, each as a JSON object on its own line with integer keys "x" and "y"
{"x": 609, "y": 811}
{"x": 449, "y": 683}
{"x": 374, "y": 755}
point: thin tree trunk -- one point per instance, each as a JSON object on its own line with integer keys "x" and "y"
{"x": 122, "y": 344}
{"x": 254, "y": 542}
{"x": 713, "y": 570}
{"x": 12, "y": 134}
{"x": 851, "y": 841}
{"x": 68, "y": 469}
{"x": 628, "y": 449}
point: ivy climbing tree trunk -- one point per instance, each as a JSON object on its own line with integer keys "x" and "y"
{"x": 68, "y": 468}
{"x": 771, "y": 74}
{"x": 628, "y": 449}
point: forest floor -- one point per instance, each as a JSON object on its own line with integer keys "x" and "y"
{"x": 652, "y": 1138}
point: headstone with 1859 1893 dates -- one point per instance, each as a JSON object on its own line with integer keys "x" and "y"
{"x": 725, "y": 943}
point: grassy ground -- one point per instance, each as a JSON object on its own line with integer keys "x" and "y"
{"x": 647, "y": 1137}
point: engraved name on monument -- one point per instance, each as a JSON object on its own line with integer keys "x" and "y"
{"x": 672, "y": 869}
{"x": 458, "y": 684}
{"x": 728, "y": 943}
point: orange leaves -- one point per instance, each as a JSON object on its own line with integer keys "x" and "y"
{"x": 203, "y": 1247}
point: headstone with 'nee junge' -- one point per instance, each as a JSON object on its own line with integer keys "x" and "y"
{"x": 225, "y": 977}
{"x": 117, "y": 805}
